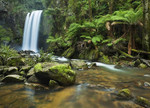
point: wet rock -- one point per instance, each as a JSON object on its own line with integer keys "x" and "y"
{"x": 143, "y": 102}
{"x": 10, "y": 70}
{"x": 34, "y": 79}
{"x": 92, "y": 65}
{"x": 53, "y": 83}
{"x": 78, "y": 64}
{"x": 37, "y": 86}
{"x": 147, "y": 84}
{"x": 143, "y": 66}
{"x": 44, "y": 72}
{"x": 13, "y": 79}
{"x": 25, "y": 68}
{"x": 125, "y": 94}
{"x": 38, "y": 67}
{"x": 31, "y": 72}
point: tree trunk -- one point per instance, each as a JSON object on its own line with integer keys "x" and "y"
{"x": 146, "y": 39}
{"x": 90, "y": 10}
{"x": 111, "y": 4}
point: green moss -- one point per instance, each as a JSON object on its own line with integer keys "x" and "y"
{"x": 53, "y": 83}
{"x": 38, "y": 67}
{"x": 143, "y": 101}
{"x": 63, "y": 74}
{"x": 69, "y": 52}
{"x": 125, "y": 94}
{"x": 22, "y": 73}
{"x": 143, "y": 66}
{"x": 104, "y": 59}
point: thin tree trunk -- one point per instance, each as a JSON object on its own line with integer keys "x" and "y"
{"x": 90, "y": 10}
{"x": 111, "y": 4}
{"x": 146, "y": 39}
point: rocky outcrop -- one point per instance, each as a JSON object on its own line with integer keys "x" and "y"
{"x": 78, "y": 64}
{"x": 13, "y": 79}
{"x": 46, "y": 73}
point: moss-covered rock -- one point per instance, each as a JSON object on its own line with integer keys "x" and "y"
{"x": 125, "y": 94}
{"x": 10, "y": 70}
{"x": 69, "y": 52}
{"x": 143, "y": 66}
{"x": 78, "y": 64}
{"x": 53, "y": 83}
{"x": 38, "y": 67}
{"x": 13, "y": 79}
{"x": 25, "y": 68}
{"x": 142, "y": 101}
{"x": 63, "y": 74}
{"x": 44, "y": 72}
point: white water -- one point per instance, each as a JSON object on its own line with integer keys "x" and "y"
{"x": 31, "y": 31}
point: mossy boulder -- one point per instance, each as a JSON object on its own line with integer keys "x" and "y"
{"x": 143, "y": 66}
{"x": 78, "y": 64}
{"x": 38, "y": 67}
{"x": 63, "y": 74}
{"x": 143, "y": 102}
{"x": 13, "y": 79}
{"x": 10, "y": 70}
{"x": 69, "y": 52}
{"x": 125, "y": 94}
{"x": 25, "y": 68}
{"x": 44, "y": 72}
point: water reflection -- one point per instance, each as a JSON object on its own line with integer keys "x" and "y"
{"x": 95, "y": 88}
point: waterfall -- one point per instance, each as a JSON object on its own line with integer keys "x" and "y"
{"x": 31, "y": 31}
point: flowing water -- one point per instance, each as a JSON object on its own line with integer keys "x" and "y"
{"x": 94, "y": 88}
{"x": 31, "y": 31}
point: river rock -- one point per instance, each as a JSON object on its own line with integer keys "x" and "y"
{"x": 143, "y": 66}
{"x": 37, "y": 86}
{"x": 25, "y": 68}
{"x": 61, "y": 73}
{"x": 147, "y": 84}
{"x": 78, "y": 64}
{"x": 125, "y": 94}
{"x": 13, "y": 79}
{"x": 142, "y": 101}
{"x": 10, "y": 70}
{"x": 34, "y": 79}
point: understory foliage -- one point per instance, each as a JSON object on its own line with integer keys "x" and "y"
{"x": 6, "y": 52}
{"x": 5, "y": 34}
{"x": 96, "y": 23}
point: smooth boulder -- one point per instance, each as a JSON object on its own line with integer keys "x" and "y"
{"x": 13, "y": 79}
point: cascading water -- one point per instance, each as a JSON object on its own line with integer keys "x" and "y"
{"x": 31, "y": 31}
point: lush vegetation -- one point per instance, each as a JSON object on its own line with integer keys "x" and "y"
{"x": 85, "y": 27}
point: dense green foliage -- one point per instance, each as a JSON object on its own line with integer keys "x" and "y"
{"x": 83, "y": 25}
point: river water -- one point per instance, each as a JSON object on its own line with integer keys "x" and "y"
{"x": 94, "y": 88}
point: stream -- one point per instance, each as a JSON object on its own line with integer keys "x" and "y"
{"x": 94, "y": 88}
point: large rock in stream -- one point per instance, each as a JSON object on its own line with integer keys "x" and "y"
{"x": 45, "y": 72}
{"x": 78, "y": 64}
{"x": 13, "y": 79}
